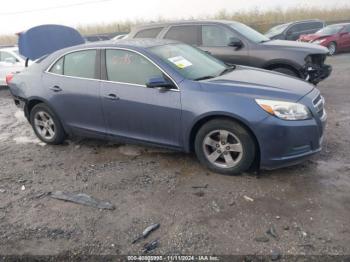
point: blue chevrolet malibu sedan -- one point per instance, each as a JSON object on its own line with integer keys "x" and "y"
{"x": 170, "y": 94}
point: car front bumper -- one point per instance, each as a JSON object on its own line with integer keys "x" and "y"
{"x": 285, "y": 143}
{"x": 316, "y": 73}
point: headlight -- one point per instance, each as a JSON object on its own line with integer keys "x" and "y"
{"x": 285, "y": 110}
{"x": 317, "y": 42}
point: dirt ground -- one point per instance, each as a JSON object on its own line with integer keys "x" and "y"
{"x": 308, "y": 205}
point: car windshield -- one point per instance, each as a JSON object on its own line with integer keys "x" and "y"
{"x": 276, "y": 30}
{"x": 330, "y": 30}
{"x": 249, "y": 33}
{"x": 190, "y": 62}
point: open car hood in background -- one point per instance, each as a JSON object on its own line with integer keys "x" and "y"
{"x": 45, "y": 39}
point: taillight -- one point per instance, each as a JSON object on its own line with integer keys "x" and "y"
{"x": 9, "y": 77}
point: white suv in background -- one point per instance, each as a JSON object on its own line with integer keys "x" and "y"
{"x": 10, "y": 61}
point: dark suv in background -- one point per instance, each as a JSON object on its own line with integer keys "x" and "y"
{"x": 236, "y": 43}
{"x": 293, "y": 30}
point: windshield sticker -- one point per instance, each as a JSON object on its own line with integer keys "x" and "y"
{"x": 180, "y": 62}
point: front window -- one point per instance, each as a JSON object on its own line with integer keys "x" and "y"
{"x": 213, "y": 35}
{"x": 330, "y": 30}
{"x": 190, "y": 62}
{"x": 249, "y": 33}
{"x": 129, "y": 67}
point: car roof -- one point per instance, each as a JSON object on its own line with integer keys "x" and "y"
{"x": 340, "y": 24}
{"x": 136, "y": 42}
{"x": 185, "y": 22}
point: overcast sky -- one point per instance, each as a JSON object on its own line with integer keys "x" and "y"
{"x": 19, "y": 15}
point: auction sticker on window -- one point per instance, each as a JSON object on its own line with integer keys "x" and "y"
{"x": 180, "y": 61}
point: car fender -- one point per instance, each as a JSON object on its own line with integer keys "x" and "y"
{"x": 286, "y": 62}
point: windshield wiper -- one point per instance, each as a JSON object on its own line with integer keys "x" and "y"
{"x": 203, "y": 78}
{"x": 227, "y": 70}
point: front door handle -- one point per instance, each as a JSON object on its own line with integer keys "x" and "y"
{"x": 56, "y": 89}
{"x": 112, "y": 97}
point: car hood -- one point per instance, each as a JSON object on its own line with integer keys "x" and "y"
{"x": 249, "y": 81}
{"x": 312, "y": 37}
{"x": 296, "y": 46}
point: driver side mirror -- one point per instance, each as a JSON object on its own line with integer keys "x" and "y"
{"x": 159, "y": 81}
{"x": 235, "y": 42}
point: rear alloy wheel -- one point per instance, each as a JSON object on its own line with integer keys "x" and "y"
{"x": 332, "y": 48}
{"x": 46, "y": 125}
{"x": 285, "y": 71}
{"x": 225, "y": 147}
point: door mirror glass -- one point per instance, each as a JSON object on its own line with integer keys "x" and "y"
{"x": 159, "y": 81}
{"x": 235, "y": 42}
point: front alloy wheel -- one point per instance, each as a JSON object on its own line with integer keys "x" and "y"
{"x": 225, "y": 147}
{"x": 222, "y": 148}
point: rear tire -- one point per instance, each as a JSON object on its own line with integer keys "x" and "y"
{"x": 46, "y": 125}
{"x": 225, "y": 146}
{"x": 285, "y": 71}
{"x": 332, "y": 48}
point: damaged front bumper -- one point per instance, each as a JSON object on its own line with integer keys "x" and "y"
{"x": 315, "y": 73}
{"x": 315, "y": 70}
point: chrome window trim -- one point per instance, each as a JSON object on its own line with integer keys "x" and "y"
{"x": 47, "y": 71}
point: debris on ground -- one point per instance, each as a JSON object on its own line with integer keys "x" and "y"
{"x": 147, "y": 232}
{"x": 216, "y": 207}
{"x": 23, "y": 188}
{"x": 262, "y": 239}
{"x": 286, "y": 228}
{"x": 275, "y": 255}
{"x": 82, "y": 199}
{"x": 205, "y": 186}
{"x": 199, "y": 193}
{"x": 272, "y": 232}
{"x": 40, "y": 195}
{"x": 248, "y": 198}
{"x": 151, "y": 246}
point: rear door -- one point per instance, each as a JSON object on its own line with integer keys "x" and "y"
{"x": 134, "y": 111}
{"x": 189, "y": 34}
{"x": 73, "y": 89}
{"x": 215, "y": 40}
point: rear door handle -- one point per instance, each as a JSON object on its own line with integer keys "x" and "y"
{"x": 56, "y": 88}
{"x": 112, "y": 97}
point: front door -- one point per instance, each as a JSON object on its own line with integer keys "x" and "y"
{"x": 134, "y": 111}
{"x": 216, "y": 40}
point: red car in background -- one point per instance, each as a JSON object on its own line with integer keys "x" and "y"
{"x": 336, "y": 37}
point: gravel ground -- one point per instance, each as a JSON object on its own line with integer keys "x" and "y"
{"x": 307, "y": 206}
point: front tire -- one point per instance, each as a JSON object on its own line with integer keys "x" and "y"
{"x": 46, "y": 125}
{"x": 225, "y": 147}
{"x": 332, "y": 48}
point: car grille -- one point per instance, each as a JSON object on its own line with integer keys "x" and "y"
{"x": 319, "y": 105}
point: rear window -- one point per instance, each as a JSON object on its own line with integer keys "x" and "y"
{"x": 149, "y": 33}
{"x": 77, "y": 64}
{"x": 188, "y": 34}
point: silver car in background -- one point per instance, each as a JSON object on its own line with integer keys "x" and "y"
{"x": 10, "y": 61}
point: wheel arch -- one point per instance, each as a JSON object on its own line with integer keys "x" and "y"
{"x": 33, "y": 101}
{"x": 277, "y": 63}
{"x": 204, "y": 119}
